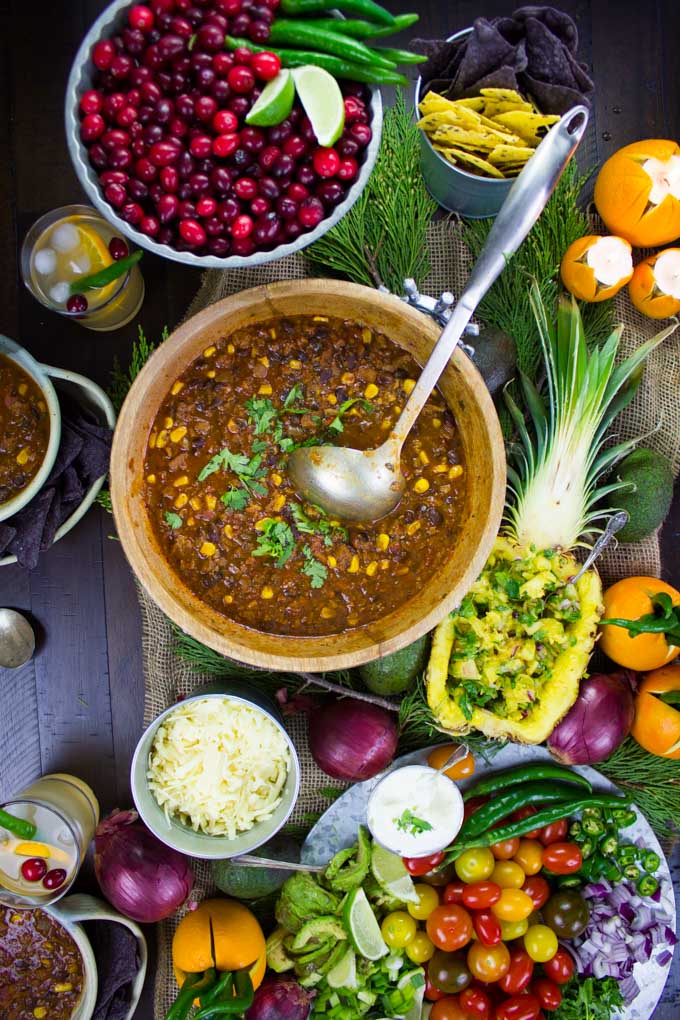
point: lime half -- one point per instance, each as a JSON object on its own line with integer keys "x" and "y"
{"x": 363, "y": 926}
{"x": 322, "y": 99}
{"x": 389, "y": 870}
{"x": 275, "y": 102}
{"x": 344, "y": 974}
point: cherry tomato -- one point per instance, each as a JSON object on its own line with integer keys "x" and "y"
{"x": 520, "y": 973}
{"x": 417, "y": 866}
{"x": 529, "y": 856}
{"x": 440, "y": 876}
{"x": 560, "y": 968}
{"x": 513, "y": 905}
{"x": 540, "y": 943}
{"x": 508, "y": 875}
{"x": 506, "y": 849}
{"x": 449, "y": 927}
{"x": 525, "y": 812}
{"x": 448, "y": 1008}
{"x": 513, "y": 929}
{"x": 553, "y": 833}
{"x": 454, "y": 892}
{"x": 265, "y": 65}
{"x": 519, "y": 1007}
{"x": 428, "y": 899}
{"x": 488, "y": 963}
{"x": 480, "y": 895}
{"x": 563, "y": 858}
{"x": 448, "y": 972}
{"x": 421, "y": 948}
{"x": 431, "y": 991}
{"x": 487, "y": 927}
{"x": 567, "y": 913}
{"x": 476, "y": 1003}
{"x": 538, "y": 889}
{"x": 475, "y": 865}
{"x": 548, "y": 993}
{"x": 398, "y": 929}
{"x": 461, "y": 770}
{"x": 472, "y": 805}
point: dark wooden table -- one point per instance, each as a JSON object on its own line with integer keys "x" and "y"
{"x": 78, "y": 705}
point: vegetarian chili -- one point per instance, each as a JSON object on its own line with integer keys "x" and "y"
{"x": 24, "y": 428}
{"x": 226, "y": 515}
{"x": 41, "y": 969}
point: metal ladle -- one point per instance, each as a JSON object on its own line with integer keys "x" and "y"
{"x": 365, "y": 485}
{"x": 17, "y": 640}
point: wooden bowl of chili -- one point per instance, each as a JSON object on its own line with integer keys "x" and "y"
{"x": 210, "y": 523}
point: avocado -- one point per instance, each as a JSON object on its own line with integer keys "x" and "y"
{"x": 648, "y": 493}
{"x": 396, "y": 673}
{"x": 252, "y": 883}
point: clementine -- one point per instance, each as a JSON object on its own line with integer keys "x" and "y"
{"x": 656, "y": 726}
{"x": 637, "y": 192}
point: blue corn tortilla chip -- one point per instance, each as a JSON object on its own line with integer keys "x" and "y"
{"x": 115, "y": 950}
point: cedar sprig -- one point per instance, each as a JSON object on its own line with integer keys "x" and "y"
{"x": 652, "y": 782}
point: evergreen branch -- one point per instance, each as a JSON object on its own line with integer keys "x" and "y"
{"x": 652, "y": 782}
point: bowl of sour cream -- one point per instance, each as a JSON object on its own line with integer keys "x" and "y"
{"x": 415, "y": 811}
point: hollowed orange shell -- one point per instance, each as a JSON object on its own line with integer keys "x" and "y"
{"x": 622, "y": 193}
{"x": 579, "y": 278}
{"x": 645, "y": 294}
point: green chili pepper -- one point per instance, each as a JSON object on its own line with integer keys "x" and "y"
{"x": 593, "y": 826}
{"x": 632, "y": 872}
{"x": 647, "y": 885}
{"x": 612, "y": 873}
{"x": 107, "y": 275}
{"x": 194, "y": 985}
{"x": 576, "y": 830}
{"x": 569, "y": 881}
{"x": 306, "y": 35}
{"x": 591, "y": 812}
{"x": 627, "y": 855}
{"x": 650, "y": 861}
{"x": 364, "y": 8}
{"x": 664, "y": 619}
{"x": 516, "y": 797}
{"x": 366, "y": 29}
{"x": 17, "y": 826}
{"x": 398, "y": 56}
{"x": 512, "y": 777}
{"x": 624, "y": 818}
{"x": 222, "y": 990}
{"x": 609, "y": 845}
{"x": 587, "y": 848}
{"x": 232, "y": 1004}
{"x": 334, "y": 65}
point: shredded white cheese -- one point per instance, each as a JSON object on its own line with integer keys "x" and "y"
{"x": 218, "y": 766}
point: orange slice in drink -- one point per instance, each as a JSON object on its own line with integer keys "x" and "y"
{"x": 98, "y": 253}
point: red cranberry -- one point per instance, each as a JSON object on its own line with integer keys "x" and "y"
{"x": 278, "y": 134}
{"x": 200, "y": 146}
{"x": 224, "y": 122}
{"x": 169, "y": 178}
{"x": 162, "y": 6}
{"x": 149, "y": 225}
{"x": 98, "y": 156}
{"x": 240, "y": 25}
{"x": 76, "y": 303}
{"x": 229, "y": 7}
{"x": 297, "y": 192}
{"x": 242, "y": 226}
{"x": 164, "y": 22}
{"x": 220, "y": 179}
{"x": 34, "y": 869}
{"x": 171, "y": 46}
{"x": 292, "y": 229}
{"x": 239, "y": 105}
{"x": 241, "y": 79}
{"x": 134, "y": 42}
{"x": 186, "y": 211}
{"x": 184, "y": 192}
{"x": 206, "y": 206}
{"x": 347, "y": 148}
{"x": 185, "y": 106}
{"x": 204, "y": 77}
{"x": 330, "y": 192}
{"x": 242, "y": 246}
{"x": 266, "y": 229}
{"x": 306, "y": 130}
{"x": 126, "y": 117}
{"x": 219, "y": 246}
{"x": 228, "y": 210}
{"x": 210, "y": 38}
{"x": 258, "y": 31}
{"x": 193, "y": 232}
{"x": 56, "y": 877}
{"x": 305, "y": 175}
{"x": 206, "y": 108}
{"x": 141, "y": 17}
{"x": 163, "y": 110}
{"x": 113, "y": 177}
{"x": 283, "y": 166}
{"x": 326, "y": 162}
{"x": 199, "y": 183}
{"x": 180, "y": 26}
{"x": 134, "y": 97}
{"x": 213, "y": 226}
{"x": 269, "y": 156}
{"x": 118, "y": 249}
{"x": 246, "y": 188}
{"x": 215, "y": 18}
{"x": 151, "y": 92}
{"x": 145, "y": 170}
{"x": 266, "y": 65}
{"x": 361, "y": 133}
{"x": 155, "y": 192}
{"x": 221, "y": 62}
{"x": 167, "y": 208}
{"x": 153, "y": 133}
{"x": 92, "y": 127}
{"x": 163, "y": 153}
{"x": 348, "y": 169}
{"x": 269, "y": 188}
{"x": 138, "y": 147}
{"x": 166, "y": 235}
{"x": 114, "y": 102}
{"x": 132, "y": 212}
{"x": 114, "y": 137}
{"x": 311, "y": 213}
{"x": 225, "y": 145}
{"x": 295, "y": 146}
{"x": 91, "y": 101}
{"x": 178, "y": 128}
{"x": 120, "y": 158}
{"x": 354, "y": 88}
{"x": 152, "y": 58}
{"x": 259, "y": 206}
{"x": 186, "y": 164}
{"x": 354, "y": 108}
{"x": 252, "y": 139}
{"x": 121, "y": 65}
{"x": 140, "y": 75}
{"x": 287, "y": 208}
{"x": 138, "y": 190}
{"x": 103, "y": 53}
{"x": 220, "y": 91}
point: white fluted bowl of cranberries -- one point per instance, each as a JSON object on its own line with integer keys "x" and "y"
{"x": 155, "y": 123}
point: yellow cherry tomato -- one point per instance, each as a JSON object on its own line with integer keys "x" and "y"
{"x": 476, "y": 865}
{"x": 508, "y": 875}
{"x": 488, "y": 963}
{"x": 513, "y": 929}
{"x": 514, "y": 905}
{"x": 529, "y": 856}
{"x": 398, "y": 929}
{"x": 428, "y": 899}
{"x": 540, "y": 943}
{"x": 421, "y": 948}
{"x": 461, "y": 770}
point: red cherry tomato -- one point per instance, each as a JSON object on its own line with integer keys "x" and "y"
{"x": 560, "y": 968}
{"x": 519, "y": 974}
{"x": 448, "y": 1009}
{"x": 506, "y": 849}
{"x": 519, "y": 1007}
{"x": 562, "y": 858}
{"x": 548, "y": 993}
{"x": 432, "y": 993}
{"x": 472, "y": 805}
{"x": 553, "y": 833}
{"x": 453, "y": 893}
{"x": 487, "y": 927}
{"x": 421, "y": 865}
{"x": 480, "y": 895}
{"x": 449, "y": 927}
{"x": 525, "y": 812}
{"x": 476, "y": 1002}
{"x": 538, "y": 889}
{"x": 265, "y": 65}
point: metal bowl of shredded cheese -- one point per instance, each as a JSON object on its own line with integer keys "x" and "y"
{"x": 216, "y": 775}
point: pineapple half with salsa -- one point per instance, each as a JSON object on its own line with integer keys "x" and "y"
{"x": 509, "y": 660}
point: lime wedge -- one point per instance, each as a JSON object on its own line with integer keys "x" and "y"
{"x": 344, "y": 974}
{"x": 275, "y": 102}
{"x": 322, "y": 99}
{"x": 389, "y": 870}
{"x": 418, "y": 977}
{"x": 363, "y": 926}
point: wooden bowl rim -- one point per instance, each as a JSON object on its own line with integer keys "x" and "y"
{"x": 241, "y": 643}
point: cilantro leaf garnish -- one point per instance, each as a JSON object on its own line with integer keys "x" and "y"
{"x": 247, "y": 469}
{"x": 261, "y": 414}
{"x": 297, "y": 392}
{"x": 336, "y": 425}
{"x": 315, "y": 570}
{"x": 236, "y": 499}
{"x": 174, "y": 520}
{"x": 408, "y": 822}
{"x": 276, "y": 540}
{"x": 321, "y": 526}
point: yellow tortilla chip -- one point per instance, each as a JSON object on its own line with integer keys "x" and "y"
{"x": 531, "y": 127}
{"x": 504, "y": 95}
{"x": 468, "y": 160}
{"x": 503, "y": 154}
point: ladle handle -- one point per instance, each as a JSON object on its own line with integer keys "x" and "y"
{"x": 526, "y": 201}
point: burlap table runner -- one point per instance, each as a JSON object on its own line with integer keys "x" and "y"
{"x": 655, "y": 413}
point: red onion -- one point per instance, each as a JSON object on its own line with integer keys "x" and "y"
{"x": 280, "y": 999}
{"x": 598, "y": 722}
{"x": 352, "y": 739}
{"x": 140, "y": 876}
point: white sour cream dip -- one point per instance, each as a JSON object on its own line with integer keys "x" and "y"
{"x": 415, "y": 811}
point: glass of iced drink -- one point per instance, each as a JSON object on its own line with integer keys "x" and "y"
{"x": 63, "y": 248}
{"x": 44, "y": 835}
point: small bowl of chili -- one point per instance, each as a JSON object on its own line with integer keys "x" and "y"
{"x": 30, "y": 427}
